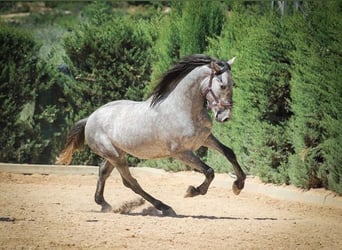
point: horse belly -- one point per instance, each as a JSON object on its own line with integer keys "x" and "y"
{"x": 143, "y": 144}
{"x": 154, "y": 143}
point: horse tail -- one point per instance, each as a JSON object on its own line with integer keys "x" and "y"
{"x": 75, "y": 141}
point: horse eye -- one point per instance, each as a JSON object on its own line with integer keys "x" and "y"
{"x": 223, "y": 86}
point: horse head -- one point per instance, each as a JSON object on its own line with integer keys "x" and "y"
{"x": 218, "y": 89}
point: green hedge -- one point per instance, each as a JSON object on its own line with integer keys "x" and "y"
{"x": 287, "y": 93}
{"x": 185, "y": 31}
{"x": 28, "y": 114}
{"x": 288, "y": 110}
{"x": 316, "y": 98}
{"x": 110, "y": 57}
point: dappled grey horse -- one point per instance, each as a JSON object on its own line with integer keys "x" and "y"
{"x": 173, "y": 122}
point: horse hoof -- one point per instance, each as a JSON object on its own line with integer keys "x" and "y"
{"x": 236, "y": 189}
{"x": 106, "y": 208}
{"x": 169, "y": 212}
{"x": 191, "y": 192}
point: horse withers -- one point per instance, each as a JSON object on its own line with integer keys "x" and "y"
{"x": 173, "y": 122}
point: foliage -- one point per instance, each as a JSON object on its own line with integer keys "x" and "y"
{"x": 185, "y": 31}
{"x": 261, "y": 92}
{"x": 287, "y": 89}
{"x": 287, "y": 113}
{"x": 110, "y": 58}
{"x": 48, "y": 93}
{"x": 199, "y": 21}
{"x": 27, "y": 122}
{"x": 316, "y": 99}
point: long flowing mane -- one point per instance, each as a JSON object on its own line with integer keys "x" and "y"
{"x": 173, "y": 76}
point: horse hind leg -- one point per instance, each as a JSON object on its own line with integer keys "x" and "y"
{"x": 105, "y": 170}
{"x": 130, "y": 182}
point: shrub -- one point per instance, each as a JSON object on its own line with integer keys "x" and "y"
{"x": 185, "y": 31}
{"x": 111, "y": 59}
{"x": 261, "y": 93}
{"x": 287, "y": 94}
{"x": 316, "y": 98}
{"x": 26, "y": 121}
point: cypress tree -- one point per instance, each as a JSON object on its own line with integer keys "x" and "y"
{"x": 18, "y": 59}
{"x": 261, "y": 93}
{"x": 200, "y": 20}
{"x": 185, "y": 31}
{"x": 316, "y": 93}
{"x": 29, "y": 114}
{"x": 110, "y": 58}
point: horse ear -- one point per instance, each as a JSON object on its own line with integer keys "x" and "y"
{"x": 215, "y": 66}
{"x": 231, "y": 61}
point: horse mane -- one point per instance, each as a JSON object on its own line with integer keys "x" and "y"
{"x": 173, "y": 76}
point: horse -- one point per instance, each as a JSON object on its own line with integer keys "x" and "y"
{"x": 172, "y": 122}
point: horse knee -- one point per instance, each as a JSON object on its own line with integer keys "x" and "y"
{"x": 209, "y": 173}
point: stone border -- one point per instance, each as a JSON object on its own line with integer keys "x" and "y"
{"x": 318, "y": 197}
{"x": 47, "y": 169}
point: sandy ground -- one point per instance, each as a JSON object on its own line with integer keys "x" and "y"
{"x": 57, "y": 211}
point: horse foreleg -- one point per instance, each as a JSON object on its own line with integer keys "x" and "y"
{"x": 215, "y": 144}
{"x": 190, "y": 159}
{"x": 104, "y": 171}
{"x": 130, "y": 182}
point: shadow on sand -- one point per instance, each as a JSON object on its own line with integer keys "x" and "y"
{"x": 151, "y": 211}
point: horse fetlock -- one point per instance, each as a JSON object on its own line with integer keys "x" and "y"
{"x": 160, "y": 205}
{"x": 105, "y": 206}
{"x": 99, "y": 199}
{"x": 202, "y": 190}
{"x": 240, "y": 183}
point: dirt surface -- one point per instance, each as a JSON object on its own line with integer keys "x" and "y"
{"x": 57, "y": 211}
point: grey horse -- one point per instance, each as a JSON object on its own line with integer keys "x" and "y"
{"x": 172, "y": 122}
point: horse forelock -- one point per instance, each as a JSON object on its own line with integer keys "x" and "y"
{"x": 173, "y": 76}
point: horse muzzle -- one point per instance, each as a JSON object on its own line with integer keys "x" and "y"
{"x": 222, "y": 115}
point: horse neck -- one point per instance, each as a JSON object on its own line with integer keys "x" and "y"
{"x": 189, "y": 92}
